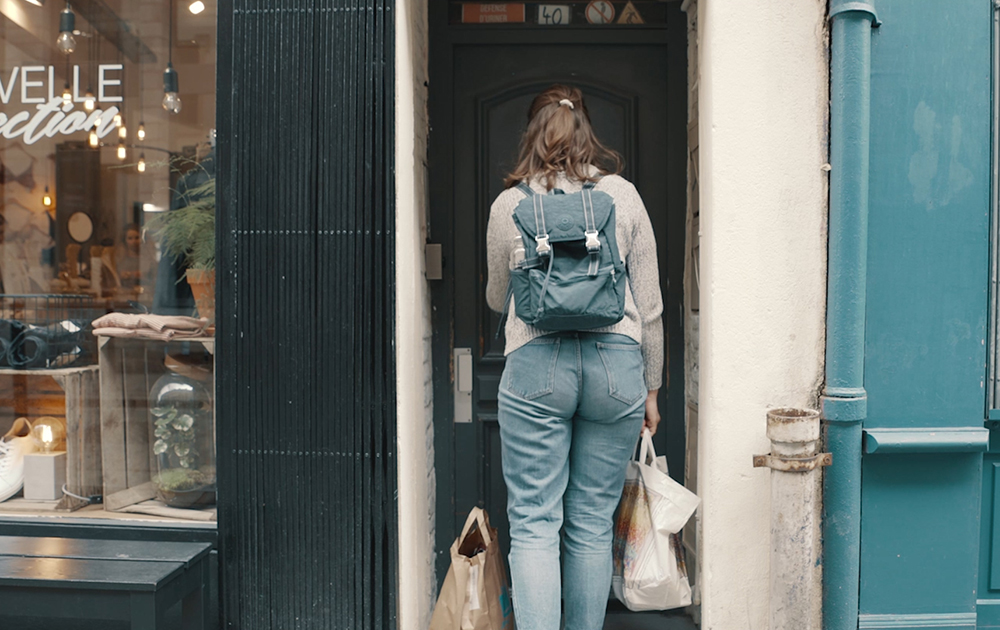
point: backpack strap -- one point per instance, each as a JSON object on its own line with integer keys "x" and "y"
{"x": 590, "y": 223}
{"x": 542, "y": 247}
{"x": 506, "y": 308}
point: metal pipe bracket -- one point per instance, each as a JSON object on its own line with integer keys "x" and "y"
{"x": 793, "y": 464}
{"x": 838, "y": 7}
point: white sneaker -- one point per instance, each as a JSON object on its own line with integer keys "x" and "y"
{"x": 13, "y": 448}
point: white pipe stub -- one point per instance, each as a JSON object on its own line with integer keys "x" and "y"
{"x": 794, "y": 435}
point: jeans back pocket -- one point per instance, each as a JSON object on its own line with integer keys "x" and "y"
{"x": 623, "y": 363}
{"x": 531, "y": 369}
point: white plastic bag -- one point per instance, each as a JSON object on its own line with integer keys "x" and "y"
{"x": 649, "y": 570}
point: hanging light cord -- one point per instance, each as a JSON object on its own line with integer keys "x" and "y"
{"x": 170, "y": 34}
{"x": 121, "y": 60}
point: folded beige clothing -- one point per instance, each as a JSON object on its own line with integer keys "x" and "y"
{"x": 146, "y": 333}
{"x": 158, "y": 323}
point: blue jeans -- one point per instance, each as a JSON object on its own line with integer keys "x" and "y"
{"x": 571, "y": 406}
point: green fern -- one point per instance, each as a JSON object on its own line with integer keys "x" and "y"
{"x": 188, "y": 233}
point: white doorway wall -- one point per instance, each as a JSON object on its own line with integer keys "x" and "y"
{"x": 762, "y": 119}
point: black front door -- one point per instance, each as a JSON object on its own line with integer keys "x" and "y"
{"x": 635, "y": 88}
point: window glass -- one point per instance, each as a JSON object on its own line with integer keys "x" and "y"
{"x": 107, "y": 200}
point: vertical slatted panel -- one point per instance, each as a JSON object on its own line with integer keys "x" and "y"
{"x": 306, "y": 375}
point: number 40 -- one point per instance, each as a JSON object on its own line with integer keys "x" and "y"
{"x": 553, "y": 14}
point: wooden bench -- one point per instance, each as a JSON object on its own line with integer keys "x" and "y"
{"x": 66, "y": 578}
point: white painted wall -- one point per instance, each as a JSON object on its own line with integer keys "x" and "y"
{"x": 417, "y": 485}
{"x": 762, "y": 114}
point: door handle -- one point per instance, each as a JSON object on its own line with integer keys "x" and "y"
{"x": 463, "y": 384}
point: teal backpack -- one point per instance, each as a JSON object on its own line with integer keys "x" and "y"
{"x": 565, "y": 273}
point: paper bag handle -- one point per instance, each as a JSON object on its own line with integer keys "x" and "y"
{"x": 477, "y": 515}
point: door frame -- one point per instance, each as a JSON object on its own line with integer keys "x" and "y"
{"x": 444, "y": 39}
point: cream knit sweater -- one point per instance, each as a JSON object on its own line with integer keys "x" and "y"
{"x": 643, "y": 303}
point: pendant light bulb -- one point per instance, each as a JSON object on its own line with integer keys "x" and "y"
{"x": 118, "y": 119}
{"x": 67, "y": 95}
{"x": 47, "y": 198}
{"x": 141, "y": 166}
{"x": 122, "y": 154}
{"x": 196, "y": 7}
{"x": 123, "y": 132}
{"x": 89, "y": 102}
{"x": 66, "y": 43}
{"x": 171, "y": 99}
{"x": 93, "y": 139}
{"x": 141, "y": 133}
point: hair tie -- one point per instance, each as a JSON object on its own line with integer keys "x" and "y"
{"x": 568, "y": 103}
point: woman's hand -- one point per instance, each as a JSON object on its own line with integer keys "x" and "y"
{"x": 652, "y": 412}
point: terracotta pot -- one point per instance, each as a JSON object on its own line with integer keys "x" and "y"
{"x": 203, "y": 287}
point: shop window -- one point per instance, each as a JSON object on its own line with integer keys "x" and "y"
{"x": 107, "y": 253}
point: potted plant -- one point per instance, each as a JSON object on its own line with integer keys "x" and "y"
{"x": 188, "y": 234}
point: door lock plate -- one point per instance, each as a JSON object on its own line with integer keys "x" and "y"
{"x": 462, "y": 360}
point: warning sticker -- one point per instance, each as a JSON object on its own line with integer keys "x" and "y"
{"x": 600, "y": 12}
{"x": 494, "y": 13}
{"x": 630, "y": 15}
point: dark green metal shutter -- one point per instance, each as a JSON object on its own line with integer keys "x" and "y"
{"x": 306, "y": 375}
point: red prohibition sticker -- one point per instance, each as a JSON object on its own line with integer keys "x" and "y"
{"x": 600, "y": 12}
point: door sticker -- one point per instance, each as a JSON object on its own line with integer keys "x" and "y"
{"x": 554, "y": 14}
{"x": 630, "y": 15}
{"x": 600, "y": 12}
{"x": 494, "y": 13}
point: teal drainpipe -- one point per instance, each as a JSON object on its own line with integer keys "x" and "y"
{"x": 844, "y": 401}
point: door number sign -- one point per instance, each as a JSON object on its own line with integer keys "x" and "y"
{"x": 600, "y": 12}
{"x": 553, "y": 14}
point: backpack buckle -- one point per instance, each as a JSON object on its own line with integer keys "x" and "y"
{"x": 543, "y": 248}
{"x": 593, "y": 244}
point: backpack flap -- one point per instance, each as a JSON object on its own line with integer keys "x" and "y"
{"x": 561, "y": 217}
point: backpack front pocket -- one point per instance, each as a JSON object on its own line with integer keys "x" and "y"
{"x": 578, "y": 303}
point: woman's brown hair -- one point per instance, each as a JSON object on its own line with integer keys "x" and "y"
{"x": 559, "y": 138}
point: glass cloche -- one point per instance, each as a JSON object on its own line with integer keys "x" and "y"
{"x": 182, "y": 414}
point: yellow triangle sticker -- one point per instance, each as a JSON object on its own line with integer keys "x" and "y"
{"x": 630, "y": 15}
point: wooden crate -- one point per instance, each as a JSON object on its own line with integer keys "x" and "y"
{"x": 81, "y": 408}
{"x": 84, "y": 468}
{"x": 128, "y": 370}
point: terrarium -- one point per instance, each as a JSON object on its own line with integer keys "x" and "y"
{"x": 182, "y": 414}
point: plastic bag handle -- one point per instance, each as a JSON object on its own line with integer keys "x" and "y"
{"x": 477, "y": 515}
{"x": 647, "y": 453}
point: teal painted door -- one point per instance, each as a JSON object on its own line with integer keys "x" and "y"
{"x": 922, "y": 542}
